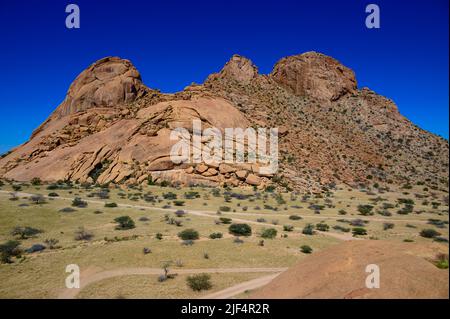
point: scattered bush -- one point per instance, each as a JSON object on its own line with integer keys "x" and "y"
{"x": 82, "y": 234}
{"x": 110, "y": 205}
{"x": 216, "y": 235}
{"x": 225, "y": 220}
{"x": 180, "y": 213}
{"x": 51, "y": 243}
{"x": 178, "y": 202}
{"x": 342, "y": 229}
{"x": 365, "y": 210}
{"x": 189, "y": 234}
{"x": 387, "y": 226}
{"x": 159, "y": 236}
{"x": 53, "y": 194}
{"x": 429, "y": 233}
{"x": 306, "y": 249}
{"x": 25, "y": 232}
{"x": 288, "y": 228}
{"x": 35, "y": 248}
{"x": 359, "y": 231}
{"x": 36, "y": 181}
{"x": 199, "y": 282}
{"x": 269, "y": 233}
{"x": 240, "y": 229}
{"x": 37, "y": 199}
{"x": 8, "y": 250}
{"x": 224, "y": 209}
{"x": 295, "y": 217}
{"x": 124, "y": 222}
{"x": 322, "y": 227}
{"x": 78, "y": 202}
{"x": 441, "y": 261}
{"x": 308, "y": 230}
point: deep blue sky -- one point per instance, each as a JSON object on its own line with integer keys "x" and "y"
{"x": 173, "y": 43}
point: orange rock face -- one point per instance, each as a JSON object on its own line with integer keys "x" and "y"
{"x": 112, "y": 128}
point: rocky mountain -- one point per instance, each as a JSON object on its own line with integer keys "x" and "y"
{"x": 111, "y": 128}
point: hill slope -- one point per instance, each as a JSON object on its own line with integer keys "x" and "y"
{"x": 112, "y": 128}
{"x": 339, "y": 272}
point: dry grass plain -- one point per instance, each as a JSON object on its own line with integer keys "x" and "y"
{"x": 42, "y": 274}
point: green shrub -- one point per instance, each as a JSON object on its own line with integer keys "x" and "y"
{"x": 308, "y": 230}
{"x": 25, "y": 232}
{"x": 288, "y": 228}
{"x": 294, "y": 217}
{"x": 169, "y": 196}
{"x": 225, "y": 220}
{"x": 342, "y": 212}
{"x": 387, "y": 226}
{"x": 359, "y": 231}
{"x": 8, "y": 250}
{"x": 322, "y": 227}
{"x": 36, "y": 181}
{"x": 306, "y": 249}
{"x": 110, "y": 205}
{"x": 199, "y": 282}
{"x": 441, "y": 261}
{"x": 78, "y": 202}
{"x": 269, "y": 233}
{"x": 365, "y": 210}
{"x": 178, "y": 202}
{"x": 159, "y": 236}
{"x": 224, "y": 209}
{"x": 240, "y": 229}
{"x": 189, "y": 234}
{"x": 429, "y": 233}
{"x": 216, "y": 235}
{"x": 124, "y": 222}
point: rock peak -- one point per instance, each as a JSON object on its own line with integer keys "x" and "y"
{"x": 238, "y": 68}
{"x": 316, "y": 75}
{"x": 108, "y": 82}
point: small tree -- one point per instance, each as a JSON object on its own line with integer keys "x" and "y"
{"x": 199, "y": 282}
{"x": 124, "y": 222}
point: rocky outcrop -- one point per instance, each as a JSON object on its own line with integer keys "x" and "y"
{"x": 109, "y": 82}
{"x": 239, "y": 69}
{"x": 315, "y": 75}
{"x": 112, "y": 129}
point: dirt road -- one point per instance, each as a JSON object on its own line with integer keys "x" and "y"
{"x": 88, "y": 278}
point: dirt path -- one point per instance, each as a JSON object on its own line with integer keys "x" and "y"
{"x": 87, "y": 278}
{"x": 241, "y": 288}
